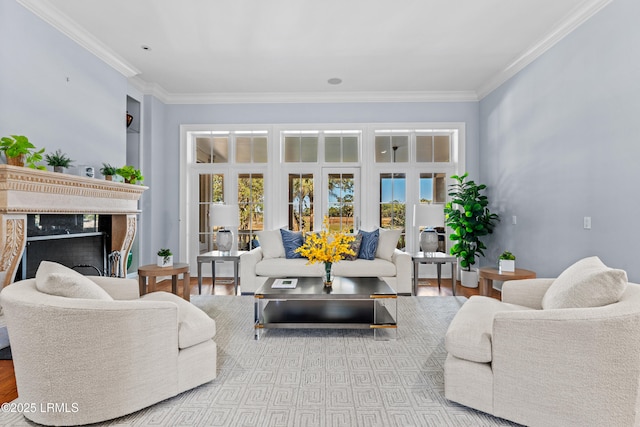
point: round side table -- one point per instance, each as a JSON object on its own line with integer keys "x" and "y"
{"x": 488, "y": 275}
{"x": 152, "y": 271}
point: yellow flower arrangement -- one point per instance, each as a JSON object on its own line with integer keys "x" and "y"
{"x": 326, "y": 246}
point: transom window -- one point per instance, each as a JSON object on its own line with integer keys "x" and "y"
{"x": 392, "y": 148}
{"x": 251, "y": 148}
{"x": 341, "y": 146}
{"x": 433, "y": 148}
{"x": 213, "y": 148}
{"x": 301, "y": 147}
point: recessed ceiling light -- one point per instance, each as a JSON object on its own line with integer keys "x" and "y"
{"x": 145, "y": 47}
{"x": 334, "y": 81}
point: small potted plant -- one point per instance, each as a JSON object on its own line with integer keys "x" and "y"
{"x": 507, "y": 262}
{"x": 108, "y": 171}
{"x": 20, "y": 151}
{"x": 130, "y": 174}
{"x": 165, "y": 258}
{"x": 58, "y": 160}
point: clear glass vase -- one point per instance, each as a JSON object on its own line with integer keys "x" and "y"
{"x": 328, "y": 279}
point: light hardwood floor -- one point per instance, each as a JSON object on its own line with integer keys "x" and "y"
{"x": 427, "y": 287}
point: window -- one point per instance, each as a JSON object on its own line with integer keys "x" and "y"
{"x": 251, "y": 206}
{"x": 301, "y": 202}
{"x": 393, "y": 203}
{"x": 291, "y": 175}
{"x": 433, "y": 148}
{"x": 251, "y": 149}
{"x": 392, "y": 148}
{"x": 341, "y": 205}
{"x": 433, "y": 188}
{"x": 301, "y": 147}
{"x": 211, "y": 191}
{"x": 341, "y": 146}
{"x": 213, "y": 148}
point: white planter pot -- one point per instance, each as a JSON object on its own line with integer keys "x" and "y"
{"x": 162, "y": 263}
{"x": 507, "y": 265}
{"x": 469, "y": 279}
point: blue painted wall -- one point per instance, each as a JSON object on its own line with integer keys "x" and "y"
{"x": 561, "y": 141}
{"x": 57, "y": 93}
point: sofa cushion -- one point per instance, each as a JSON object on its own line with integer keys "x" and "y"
{"x": 364, "y": 268}
{"x": 387, "y": 243}
{"x": 194, "y": 326}
{"x": 56, "y": 279}
{"x": 469, "y": 334}
{"x": 355, "y": 247}
{"x": 291, "y": 241}
{"x": 281, "y": 267}
{"x": 369, "y": 244}
{"x": 587, "y": 283}
{"x": 271, "y": 243}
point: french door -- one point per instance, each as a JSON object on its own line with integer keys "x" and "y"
{"x": 341, "y": 197}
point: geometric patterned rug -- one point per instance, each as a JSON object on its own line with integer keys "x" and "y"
{"x": 318, "y": 377}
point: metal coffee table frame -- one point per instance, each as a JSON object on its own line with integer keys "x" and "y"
{"x": 351, "y": 303}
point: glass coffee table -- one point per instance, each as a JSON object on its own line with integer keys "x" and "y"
{"x": 350, "y": 303}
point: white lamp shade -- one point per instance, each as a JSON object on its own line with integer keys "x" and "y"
{"x": 429, "y": 215}
{"x": 224, "y": 215}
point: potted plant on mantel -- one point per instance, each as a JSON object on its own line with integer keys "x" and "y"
{"x": 20, "y": 151}
{"x": 58, "y": 160}
{"x": 470, "y": 219}
{"x": 108, "y": 171}
{"x": 130, "y": 174}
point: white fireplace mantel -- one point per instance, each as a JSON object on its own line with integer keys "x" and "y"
{"x": 29, "y": 191}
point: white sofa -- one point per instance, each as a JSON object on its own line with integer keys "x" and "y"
{"x": 102, "y": 356}
{"x": 551, "y": 354}
{"x": 390, "y": 264}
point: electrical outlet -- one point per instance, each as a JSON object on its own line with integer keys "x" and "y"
{"x": 514, "y": 220}
{"x": 587, "y": 223}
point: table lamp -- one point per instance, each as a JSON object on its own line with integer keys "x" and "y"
{"x": 430, "y": 216}
{"x": 224, "y": 216}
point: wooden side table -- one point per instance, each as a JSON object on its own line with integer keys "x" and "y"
{"x": 152, "y": 271}
{"x": 488, "y": 275}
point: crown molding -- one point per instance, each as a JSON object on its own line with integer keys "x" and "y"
{"x": 62, "y": 23}
{"x": 301, "y": 97}
{"x": 576, "y": 18}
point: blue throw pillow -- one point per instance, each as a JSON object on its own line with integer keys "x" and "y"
{"x": 369, "y": 244}
{"x": 291, "y": 241}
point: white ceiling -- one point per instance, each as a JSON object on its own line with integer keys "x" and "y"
{"x": 283, "y": 50}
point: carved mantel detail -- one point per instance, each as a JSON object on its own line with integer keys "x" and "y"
{"x": 29, "y": 191}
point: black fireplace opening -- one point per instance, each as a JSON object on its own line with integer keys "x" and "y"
{"x": 78, "y": 241}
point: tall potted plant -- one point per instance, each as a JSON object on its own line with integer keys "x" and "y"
{"x": 470, "y": 219}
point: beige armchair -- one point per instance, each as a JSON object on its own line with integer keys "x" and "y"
{"x": 101, "y": 357}
{"x": 547, "y": 367}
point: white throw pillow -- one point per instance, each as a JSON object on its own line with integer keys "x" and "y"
{"x": 56, "y": 279}
{"x": 587, "y": 283}
{"x": 271, "y": 243}
{"x": 387, "y": 243}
